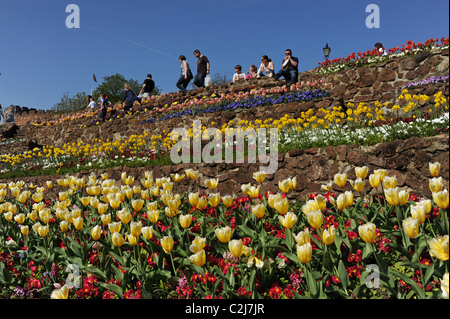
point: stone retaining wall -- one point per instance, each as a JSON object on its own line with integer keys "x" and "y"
{"x": 408, "y": 160}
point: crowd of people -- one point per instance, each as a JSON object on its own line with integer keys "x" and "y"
{"x": 288, "y": 71}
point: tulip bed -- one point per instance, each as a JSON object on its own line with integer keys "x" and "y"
{"x": 102, "y": 238}
{"x": 362, "y": 124}
{"x": 374, "y": 56}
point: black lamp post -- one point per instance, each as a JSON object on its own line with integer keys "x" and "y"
{"x": 326, "y": 51}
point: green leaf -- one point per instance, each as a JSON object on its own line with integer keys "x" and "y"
{"x": 428, "y": 274}
{"x": 410, "y": 282}
{"x": 96, "y": 271}
{"x": 343, "y": 275}
{"x": 290, "y": 241}
{"x": 114, "y": 288}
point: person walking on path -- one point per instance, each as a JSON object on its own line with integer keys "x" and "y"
{"x": 202, "y": 69}
{"x": 186, "y": 75}
{"x": 289, "y": 68}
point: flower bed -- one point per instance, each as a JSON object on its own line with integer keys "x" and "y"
{"x": 105, "y": 238}
{"x": 356, "y": 124}
{"x": 374, "y": 56}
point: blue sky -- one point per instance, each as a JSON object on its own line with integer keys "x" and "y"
{"x": 41, "y": 59}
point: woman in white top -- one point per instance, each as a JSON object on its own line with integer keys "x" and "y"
{"x": 266, "y": 68}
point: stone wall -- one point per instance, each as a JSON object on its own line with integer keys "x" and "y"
{"x": 408, "y": 160}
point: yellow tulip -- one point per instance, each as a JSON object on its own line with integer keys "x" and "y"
{"x": 177, "y": 177}
{"x": 341, "y": 202}
{"x": 170, "y": 213}
{"x": 288, "y": 220}
{"x": 236, "y": 247}
{"x": 43, "y": 230}
{"x": 114, "y": 227}
{"x": 255, "y": 260}
{"x": 391, "y": 195}
{"x": 153, "y": 216}
{"x": 117, "y": 239}
{"x": 284, "y": 185}
{"x": 441, "y": 199}
{"x": 340, "y": 179}
{"x": 253, "y": 192}
{"x": 62, "y": 293}
{"x": 403, "y": 197}
{"x": 381, "y": 173}
{"x": 374, "y": 180}
{"x": 349, "y": 199}
{"x": 358, "y": 184}
{"x": 321, "y": 202}
{"x": 411, "y": 227}
{"x": 329, "y": 235}
{"x": 368, "y": 232}
{"x": 24, "y": 230}
{"x": 13, "y": 208}
{"x": 132, "y": 240}
{"x": 212, "y": 183}
{"x": 390, "y": 182}
{"x": 214, "y": 199}
{"x": 258, "y": 210}
{"x": 19, "y": 218}
{"x": 167, "y": 244}
{"x": 302, "y": 237}
{"x": 102, "y": 208}
{"x": 315, "y": 218}
{"x": 64, "y": 226}
{"x": 78, "y": 223}
{"x": 37, "y": 197}
{"x": 227, "y": 200}
{"x": 152, "y": 206}
{"x": 185, "y": 220}
{"x": 8, "y": 216}
{"x": 63, "y": 196}
{"x": 436, "y": 184}
{"x": 94, "y": 202}
{"x": 15, "y": 191}
{"x": 106, "y": 219}
{"x": 124, "y": 216}
{"x": 193, "y": 198}
{"x": 439, "y": 247}
{"x": 154, "y": 191}
{"x": 273, "y": 198}
{"x": 282, "y": 206}
{"x": 96, "y": 232}
{"x": 135, "y": 228}
{"x": 147, "y": 232}
{"x": 33, "y": 215}
{"x": 435, "y": 168}
{"x": 361, "y": 172}
{"x": 145, "y": 194}
{"x": 418, "y": 212}
{"x": 114, "y": 202}
{"x": 202, "y": 203}
{"x": 38, "y": 206}
{"x": 197, "y": 244}
{"x": 147, "y": 183}
{"x": 128, "y": 180}
{"x": 444, "y": 285}
{"x": 194, "y": 175}
{"x": 45, "y": 215}
{"x": 304, "y": 253}
{"x": 427, "y": 204}
{"x": 223, "y": 234}
{"x": 49, "y": 184}
{"x": 259, "y": 176}
{"x": 137, "y": 204}
{"x": 85, "y": 200}
{"x": 199, "y": 258}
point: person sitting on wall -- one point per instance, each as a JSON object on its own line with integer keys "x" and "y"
{"x": 289, "y": 68}
{"x": 238, "y": 76}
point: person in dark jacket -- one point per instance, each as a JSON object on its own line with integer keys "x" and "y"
{"x": 129, "y": 98}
